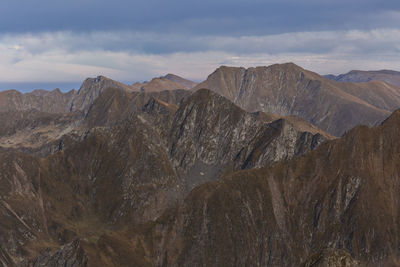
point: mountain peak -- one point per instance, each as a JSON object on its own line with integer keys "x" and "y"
{"x": 288, "y": 89}
{"x": 167, "y": 82}
{"x": 91, "y": 88}
{"x": 185, "y": 82}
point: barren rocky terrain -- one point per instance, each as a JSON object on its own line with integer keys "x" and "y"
{"x": 231, "y": 172}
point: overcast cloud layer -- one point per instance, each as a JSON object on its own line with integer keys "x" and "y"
{"x": 66, "y": 41}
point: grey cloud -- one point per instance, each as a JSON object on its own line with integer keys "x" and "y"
{"x": 71, "y": 57}
{"x": 208, "y": 17}
{"x": 356, "y": 42}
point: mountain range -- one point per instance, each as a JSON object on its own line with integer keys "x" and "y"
{"x": 266, "y": 166}
{"x": 388, "y": 76}
{"x": 287, "y": 89}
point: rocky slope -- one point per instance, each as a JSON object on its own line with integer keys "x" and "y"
{"x": 181, "y": 178}
{"x": 36, "y": 132}
{"x": 287, "y": 89}
{"x": 388, "y": 76}
{"x": 91, "y": 89}
{"x": 210, "y": 136}
{"x": 99, "y": 102}
{"x": 336, "y": 206}
{"x": 127, "y": 171}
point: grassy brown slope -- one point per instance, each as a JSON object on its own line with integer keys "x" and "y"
{"x": 343, "y": 195}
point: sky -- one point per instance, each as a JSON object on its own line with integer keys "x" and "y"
{"x": 57, "y": 43}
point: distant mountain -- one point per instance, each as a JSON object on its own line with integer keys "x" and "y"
{"x": 168, "y": 82}
{"x": 45, "y": 101}
{"x": 57, "y": 102}
{"x": 287, "y": 89}
{"x": 113, "y": 175}
{"x": 388, "y": 76}
{"x": 175, "y": 78}
{"x": 91, "y": 89}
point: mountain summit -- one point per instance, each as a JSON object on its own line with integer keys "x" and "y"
{"x": 168, "y": 82}
{"x": 287, "y": 89}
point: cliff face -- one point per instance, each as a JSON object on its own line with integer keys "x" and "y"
{"x": 92, "y": 89}
{"x": 288, "y": 89}
{"x": 210, "y": 136}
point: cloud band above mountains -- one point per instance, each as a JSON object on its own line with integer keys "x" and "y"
{"x": 128, "y": 56}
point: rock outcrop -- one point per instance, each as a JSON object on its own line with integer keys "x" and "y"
{"x": 210, "y": 136}
{"x": 91, "y": 89}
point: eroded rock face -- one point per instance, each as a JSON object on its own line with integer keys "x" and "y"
{"x": 91, "y": 89}
{"x": 211, "y": 137}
